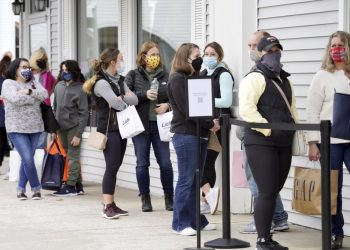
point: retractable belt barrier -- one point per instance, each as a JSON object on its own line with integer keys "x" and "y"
{"x": 324, "y": 127}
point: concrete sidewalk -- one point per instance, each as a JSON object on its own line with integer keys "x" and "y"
{"x": 76, "y": 223}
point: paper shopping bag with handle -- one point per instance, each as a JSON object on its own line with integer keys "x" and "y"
{"x": 307, "y": 191}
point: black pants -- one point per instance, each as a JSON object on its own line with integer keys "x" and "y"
{"x": 209, "y": 173}
{"x": 114, "y": 154}
{"x": 3, "y": 143}
{"x": 270, "y": 167}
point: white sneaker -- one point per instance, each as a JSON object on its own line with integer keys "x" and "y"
{"x": 188, "y": 231}
{"x": 209, "y": 227}
{"x": 213, "y": 199}
{"x": 205, "y": 208}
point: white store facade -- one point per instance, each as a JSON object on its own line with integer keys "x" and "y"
{"x": 81, "y": 29}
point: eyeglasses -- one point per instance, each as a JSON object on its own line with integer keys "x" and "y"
{"x": 25, "y": 67}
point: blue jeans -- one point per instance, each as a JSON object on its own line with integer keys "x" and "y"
{"x": 339, "y": 153}
{"x": 279, "y": 214}
{"x": 184, "y": 214}
{"x": 142, "y": 145}
{"x": 42, "y": 142}
{"x": 25, "y": 144}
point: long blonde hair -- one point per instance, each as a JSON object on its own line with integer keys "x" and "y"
{"x": 327, "y": 62}
{"x": 106, "y": 57}
{"x": 39, "y": 54}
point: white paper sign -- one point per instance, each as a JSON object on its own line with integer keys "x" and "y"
{"x": 200, "y": 97}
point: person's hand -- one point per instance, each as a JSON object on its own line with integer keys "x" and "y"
{"x": 129, "y": 93}
{"x": 23, "y": 91}
{"x": 75, "y": 141}
{"x": 216, "y": 126}
{"x": 152, "y": 94}
{"x": 314, "y": 152}
{"x": 161, "y": 108}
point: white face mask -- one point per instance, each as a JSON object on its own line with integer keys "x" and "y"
{"x": 254, "y": 55}
{"x": 121, "y": 68}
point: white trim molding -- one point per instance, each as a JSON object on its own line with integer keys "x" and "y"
{"x": 344, "y": 15}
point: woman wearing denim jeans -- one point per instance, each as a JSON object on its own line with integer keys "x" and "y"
{"x": 23, "y": 121}
{"x": 187, "y": 62}
{"x": 334, "y": 76}
{"x": 149, "y": 83}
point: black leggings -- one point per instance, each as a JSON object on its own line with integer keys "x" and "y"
{"x": 114, "y": 154}
{"x": 270, "y": 167}
{"x": 3, "y": 143}
{"x": 209, "y": 174}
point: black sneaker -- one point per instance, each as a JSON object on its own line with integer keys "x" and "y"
{"x": 119, "y": 211}
{"x": 66, "y": 190}
{"x": 337, "y": 242}
{"x": 36, "y": 196}
{"x": 80, "y": 188}
{"x": 269, "y": 244}
{"x": 109, "y": 212}
{"x": 22, "y": 196}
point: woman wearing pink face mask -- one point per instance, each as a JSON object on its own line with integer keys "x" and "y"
{"x": 334, "y": 76}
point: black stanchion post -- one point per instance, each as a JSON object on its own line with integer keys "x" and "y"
{"x": 226, "y": 241}
{"x": 198, "y": 191}
{"x": 325, "y": 182}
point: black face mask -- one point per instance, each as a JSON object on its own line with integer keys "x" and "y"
{"x": 197, "y": 64}
{"x": 41, "y": 64}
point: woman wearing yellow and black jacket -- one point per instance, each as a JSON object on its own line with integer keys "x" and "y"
{"x": 269, "y": 151}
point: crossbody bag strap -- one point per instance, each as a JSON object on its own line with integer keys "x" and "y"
{"x": 284, "y": 98}
{"x": 109, "y": 117}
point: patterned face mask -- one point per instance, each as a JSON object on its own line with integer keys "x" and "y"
{"x": 337, "y": 54}
{"x": 152, "y": 62}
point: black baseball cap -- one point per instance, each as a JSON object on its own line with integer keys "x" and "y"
{"x": 267, "y": 42}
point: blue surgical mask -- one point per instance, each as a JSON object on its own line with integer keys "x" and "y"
{"x": 121, "y": 67}
{"x": 26, "y": 74}
{"x": 210, "y": 61}
{"x": 66, "y": 76}
{"x": 272, "y": 61}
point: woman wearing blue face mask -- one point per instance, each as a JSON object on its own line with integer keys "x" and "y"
{"x": 223, "y": 83}
{"x": 71, "y": 111}
{"x": 23, "y": 121}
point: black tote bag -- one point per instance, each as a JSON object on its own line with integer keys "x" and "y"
{"x": 341, "y": 116}
{"x": 50, "y": 123}
{"x": 53, "y": 169}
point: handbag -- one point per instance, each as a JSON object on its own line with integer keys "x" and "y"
{"x": 307, "y": 191}
{"x": 164, "y": 124}
{"x": 213, "y": 143}
{"x": 238, "y": 175}
{"x": 50, "y": 123}
{"x": 341, "y": 121}
{"x": 129, "y": 122}
{"x": 98, "y": 140}
{"x": 299, "y": 145}
{"x": 53, "y": 168}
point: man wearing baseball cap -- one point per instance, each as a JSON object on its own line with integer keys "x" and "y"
{"x": 269, "y": 152}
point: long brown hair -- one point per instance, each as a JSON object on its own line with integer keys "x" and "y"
{"x": 106, "y": 57}
{"x": 180, "y": 61}
{"x": 327, "y": 62}
{"x": 145, "y": 47}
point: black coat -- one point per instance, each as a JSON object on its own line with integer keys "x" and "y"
{"x": 138, "y": 82}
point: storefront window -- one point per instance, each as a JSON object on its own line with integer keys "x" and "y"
{"x": 166, "y": 22}
{"x": 38, "y": 36}
{"x": 98, "y": 30}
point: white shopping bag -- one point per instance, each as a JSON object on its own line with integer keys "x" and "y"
{"x": 15, "y": 163}
{"x": 164, "y": 124}
{"x": 129, "y": 122}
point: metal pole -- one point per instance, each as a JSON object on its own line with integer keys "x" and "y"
{"x": 325, "y": 183}
{"x": 226, "y": 241}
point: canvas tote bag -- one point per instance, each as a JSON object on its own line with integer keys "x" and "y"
{"x": 98, "y": 140}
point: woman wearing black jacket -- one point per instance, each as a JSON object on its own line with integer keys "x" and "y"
{"x": 150, "y": 73}
{"x": 187, "y": 62}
